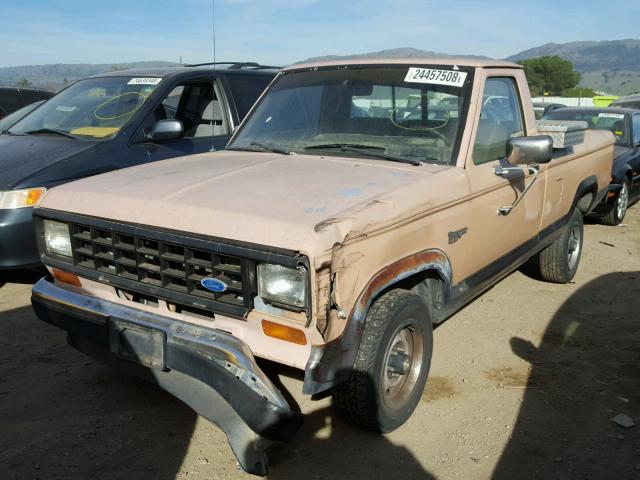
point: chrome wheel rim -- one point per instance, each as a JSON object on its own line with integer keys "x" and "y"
{"x": 623, "y": 201}
{"x": 402, "y": 366}
{"x": 573, "y": 250}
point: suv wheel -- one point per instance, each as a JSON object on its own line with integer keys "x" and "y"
{"x": 559, "y": 261}
{"x": 392, "y": 364}
{"x": 619, "y": 208}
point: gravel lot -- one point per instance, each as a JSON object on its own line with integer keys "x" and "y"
{"x": 524, "y": 383}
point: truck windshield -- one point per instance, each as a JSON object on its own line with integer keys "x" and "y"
{"x": 398, "y": 113}
{"x": 95, "y": 108}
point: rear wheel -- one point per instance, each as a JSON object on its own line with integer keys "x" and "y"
{"x": 392, "y": 364}
{"x": 559, "y": 261}
{"x": 619, "y": 208}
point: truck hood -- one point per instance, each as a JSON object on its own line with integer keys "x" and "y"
{"x": 300, "y": 202}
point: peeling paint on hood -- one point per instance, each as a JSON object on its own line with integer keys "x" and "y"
{"x": 300, "y": 202}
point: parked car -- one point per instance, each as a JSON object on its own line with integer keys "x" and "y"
{"x": 10, "y": 120}
{"x": 14, "y": 98}
{"x": 321, "y": 239}
{"x": 628, "y": 101}
{"x": 540, "y": 109}
{"x": 624, "y": 123}
{"x": 111, "y": 121}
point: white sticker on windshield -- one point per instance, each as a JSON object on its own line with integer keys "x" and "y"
{"x": 62, "y": 108}
{"x": 611, "y": 115}
{"x": 144, "y": 81}
{"x": 454, "y": 78}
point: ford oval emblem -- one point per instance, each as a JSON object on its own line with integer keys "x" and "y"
{"x": 213, "y": 285}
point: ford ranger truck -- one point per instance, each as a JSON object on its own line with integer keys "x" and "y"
{"x": 359, "y": 204}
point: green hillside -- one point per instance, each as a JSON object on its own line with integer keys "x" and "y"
{"x": 610, "y": 66}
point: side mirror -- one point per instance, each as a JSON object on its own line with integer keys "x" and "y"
{"x": 165, "y": 130}
{"x": 530, "y": 150}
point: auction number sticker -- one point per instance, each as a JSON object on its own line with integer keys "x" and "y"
{"x": 611, "y": 115}
{"x": 454, "y": 78}
{"x": 144, "y": 81}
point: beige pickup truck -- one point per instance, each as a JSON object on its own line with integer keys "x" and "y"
{"x": 358, "y": 204}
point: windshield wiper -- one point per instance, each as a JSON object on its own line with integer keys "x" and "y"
{"x": 365, "y": 150}
{"x": 322, "y": 146}
{"x": 51, "y": 130}
{"x": 262, "y": 146}
{"x": 270, "y": 148}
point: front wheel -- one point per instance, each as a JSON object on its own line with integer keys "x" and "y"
{"x": 392, "y": 364}
{"x": 619, "y": 208}
{"x": 559, "y": 261}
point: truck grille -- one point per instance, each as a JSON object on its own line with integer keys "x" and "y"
{"x": 167, "y": 266}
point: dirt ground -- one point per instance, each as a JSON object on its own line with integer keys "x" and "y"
{"x": 524, "y": 384}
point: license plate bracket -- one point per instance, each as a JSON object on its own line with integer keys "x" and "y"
{"x": 137, "y": 343}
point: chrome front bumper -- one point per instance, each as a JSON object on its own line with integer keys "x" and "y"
{"x": 210, "y": 370}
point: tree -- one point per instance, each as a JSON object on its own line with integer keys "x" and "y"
{"x": 551, "y": 75}
{"x": 23, "y": 82}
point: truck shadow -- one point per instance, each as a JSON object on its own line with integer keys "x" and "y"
{"x": 64, "y": 416}
{"x": 585, "y": 372}
{"x": 24, "y": 277}
{"x": 329, "y": 448}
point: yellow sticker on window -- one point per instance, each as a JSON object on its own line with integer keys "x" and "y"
{"x": 97, "y": 132}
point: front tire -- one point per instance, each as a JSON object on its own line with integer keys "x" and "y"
{"x": 619, "y": 208}
{"x": 392, "y": 364}
{"x": 559, "y": 261}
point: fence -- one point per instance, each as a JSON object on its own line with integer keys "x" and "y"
{"x": 568, "y": 101}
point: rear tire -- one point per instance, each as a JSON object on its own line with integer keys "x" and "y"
{"x": 559, "y": 261}
{"x": 619, "y": 208}
{"x": 392, "y": 364}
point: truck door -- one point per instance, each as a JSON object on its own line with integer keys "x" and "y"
{"x": 499, "y": 239}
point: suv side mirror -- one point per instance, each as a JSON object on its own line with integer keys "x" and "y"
{"x": 164, "y": 130}
{"x": 530, "y": 150}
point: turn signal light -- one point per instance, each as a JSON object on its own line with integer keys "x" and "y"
{"x": 282, "y": 332}
{"x": 66, "y": 277}
{"x": 33, "y": 196}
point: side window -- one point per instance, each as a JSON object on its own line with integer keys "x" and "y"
{"x": 198, "y": 108}
{"x": 500, "y": 119}
{"x": 246, "y": 88}
{"x": 10, "y": 100}
{"x": 31, "y": 96}
{"x": 636, "y": 130}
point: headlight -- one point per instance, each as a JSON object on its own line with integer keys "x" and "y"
{"x": 56, "y": 238}
{"x": 28, "y": 197}
{"x": 283, "y": 285}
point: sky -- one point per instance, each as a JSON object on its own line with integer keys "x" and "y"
{"x": 280, "y": 32}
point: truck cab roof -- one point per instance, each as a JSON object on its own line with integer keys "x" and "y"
{"x": 451, "y": 61}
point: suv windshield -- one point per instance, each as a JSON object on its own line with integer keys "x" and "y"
{"x": 95, "y": 108}
{"x": 397, "y": 113}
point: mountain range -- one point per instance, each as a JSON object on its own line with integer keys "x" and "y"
{"x": 55, "y": 76}
{"x": 609, "y": 66}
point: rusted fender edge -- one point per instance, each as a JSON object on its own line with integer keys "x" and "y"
{"x": 332, "y": 363}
